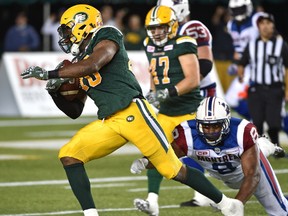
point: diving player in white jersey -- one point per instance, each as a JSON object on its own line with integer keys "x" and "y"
{"x": 242, "y": 29}
{"x": 228, "y": 148}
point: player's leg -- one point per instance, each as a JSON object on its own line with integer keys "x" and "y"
{"x": 198, "y": 199}
{"x": 274, "y": 99}
{"x": 89, "y": 143}
{"x": 150, "y": 204}
{"x": 269, "y": 192}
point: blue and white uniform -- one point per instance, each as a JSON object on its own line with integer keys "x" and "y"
{"x": 223, "y": 161}
{"x": 241, "y": 34}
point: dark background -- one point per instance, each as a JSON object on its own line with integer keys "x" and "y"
{"x": 200, "y": 10}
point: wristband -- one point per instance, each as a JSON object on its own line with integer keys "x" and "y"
{"x": 53, "y": 74}
{"x": 172, "y": 91}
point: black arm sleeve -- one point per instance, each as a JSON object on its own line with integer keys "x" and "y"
{"x": 205, "y": 66}
{"x": 72, "y": 109}
{"x": 245, "y": 57}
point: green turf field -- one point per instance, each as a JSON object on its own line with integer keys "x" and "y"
{"x": 32, "y": 181}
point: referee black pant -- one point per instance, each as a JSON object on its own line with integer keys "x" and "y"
{"x": 265, "y": 104}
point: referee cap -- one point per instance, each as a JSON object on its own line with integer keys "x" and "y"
{"x": 266, "y": 16}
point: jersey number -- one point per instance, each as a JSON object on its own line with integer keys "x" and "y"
{"x": 93, "y": 80}
{"x": 196, "y": 32}
{"x": 162, "y": 61}
{"x": 224, "y": 168}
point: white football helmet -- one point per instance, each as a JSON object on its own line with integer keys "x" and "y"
{"x": 181, "y": 7}
{"x": 240, "y": 9}
{"x": 213, "y": 111}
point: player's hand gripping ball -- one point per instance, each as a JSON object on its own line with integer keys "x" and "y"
{"x": 69, "y": 88}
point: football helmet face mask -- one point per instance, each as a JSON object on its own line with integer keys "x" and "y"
{"x": 181, "y": 7}
{"x": 76, "y": 23}
{"x": 161, "y": 24}
{"x": 240, "y": 9}
{"x": 213, "y": 120}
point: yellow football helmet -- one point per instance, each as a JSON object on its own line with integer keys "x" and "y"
{"x": 161, "y": 16}
{"x": 75, "y": 25}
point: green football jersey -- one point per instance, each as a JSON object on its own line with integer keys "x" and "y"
{"x": 167, "y": 72}
{"x": 114, "y": 86}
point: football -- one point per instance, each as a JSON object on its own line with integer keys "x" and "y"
{"x": 71, "y": 90}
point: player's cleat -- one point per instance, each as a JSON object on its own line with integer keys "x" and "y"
{"x": 152, "y": 209}
{"x": 279, "y": 152}
{"x": 198, "y": 200}
{"x": 189, "y": 203}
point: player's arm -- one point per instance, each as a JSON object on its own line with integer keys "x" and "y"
{"x": 205, "y": 58}
{"x": 242, "y": 63}
{"x": 102, "y": 54}
{"x": 250, "y": 165}
{"x": 72, "y": 109}
{"x": 190, "y": 68}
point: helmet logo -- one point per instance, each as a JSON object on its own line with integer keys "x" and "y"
{"x": 80, "y": 17}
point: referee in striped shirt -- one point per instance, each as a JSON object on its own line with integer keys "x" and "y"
{"x": 268, "y": 59}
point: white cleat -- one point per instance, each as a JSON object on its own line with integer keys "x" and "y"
{"x": 152, "y": 209}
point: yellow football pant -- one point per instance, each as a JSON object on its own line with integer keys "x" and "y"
{"x": 136, "y": 124}
{"x": 169, "y": 123}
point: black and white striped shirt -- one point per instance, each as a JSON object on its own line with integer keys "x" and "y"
{"x": 267, "y": 60}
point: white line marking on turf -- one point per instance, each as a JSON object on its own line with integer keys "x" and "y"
{"x": 99, "y": 210}
{"x": 93, "y": 180}
{"x": 60, "y": 182}
{"x": 36, "y": 122}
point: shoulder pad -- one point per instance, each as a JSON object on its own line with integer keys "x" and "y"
{"x": 146, "y": 41}
{"x": 186, "y": 39}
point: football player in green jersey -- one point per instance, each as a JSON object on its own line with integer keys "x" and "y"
{"x": 105, "y": 75}
{"x": 175, "y": 80}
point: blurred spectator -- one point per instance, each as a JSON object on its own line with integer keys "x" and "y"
{"x": 222, "y": 44}
{"x": 134, "y": 33}
{"x": 21, "y": 36}
{"x": 119, "y": 17}
{"x": 50, "y": 27}
{"x": 107, "y": 15}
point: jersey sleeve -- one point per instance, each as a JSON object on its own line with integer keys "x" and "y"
{"x": 180, "y": 138}
{"x": 186, "y": 45}
{"x": 197, "y": 30}
{"x": 250, "y": 136}
{"x": 109, "y": 33}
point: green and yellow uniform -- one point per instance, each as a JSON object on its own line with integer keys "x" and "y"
{"x": 166, "y": 72}
{"x": 123, "y": 113}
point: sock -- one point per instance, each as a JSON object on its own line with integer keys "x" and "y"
{"x": 197, "y": 180}
{"x": 90, "y": 212}
{"x": 80, "y": 185}
{"x": 154, "y": 180}
{"x": 152, "y": 197}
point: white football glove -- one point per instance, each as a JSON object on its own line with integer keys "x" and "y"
{"x": 162, "y": 95}
{"x": 36, "y": 72}
{"x": 230, "y": 207}
{"x": 138, "y": 165}
{"x": 151, "y": 98}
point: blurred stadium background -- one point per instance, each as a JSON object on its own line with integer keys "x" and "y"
{"x": 32, "y": 181}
